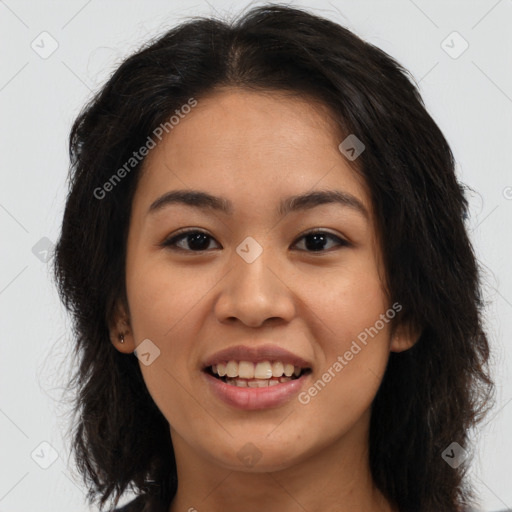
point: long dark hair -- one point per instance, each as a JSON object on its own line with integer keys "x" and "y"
{"x": 431, "y": 395}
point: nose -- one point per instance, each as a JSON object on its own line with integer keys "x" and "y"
{"x": 255, "y": 293}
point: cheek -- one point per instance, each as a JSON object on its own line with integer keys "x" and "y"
{"x": 354, "y": 362}
{"x": 161, "y": 309}
{"x": 164, "y": 302}
{"x": 354, "y": 338}
{"x": 347, "y": 301}
{"x": 162, "y": 298}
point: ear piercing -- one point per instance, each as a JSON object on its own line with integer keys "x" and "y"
{"x": 121, "y": 337}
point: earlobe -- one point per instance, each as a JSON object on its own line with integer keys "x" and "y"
{"x": 122, "y": 339}
{"x": 121, "y": 333}
{"x": 404, "y": 337}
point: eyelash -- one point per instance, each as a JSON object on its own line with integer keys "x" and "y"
{"x": 171, "y": 242}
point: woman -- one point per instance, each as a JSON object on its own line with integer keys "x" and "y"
{"x": 276, "y": 303}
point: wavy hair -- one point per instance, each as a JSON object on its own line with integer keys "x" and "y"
{"x": 431, "y": 395}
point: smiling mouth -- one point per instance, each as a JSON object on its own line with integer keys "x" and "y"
{"x": 246, "y": 374}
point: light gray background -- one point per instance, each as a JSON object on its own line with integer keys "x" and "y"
{"x": 470, "y": 97}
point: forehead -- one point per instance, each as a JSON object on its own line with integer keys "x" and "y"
{"x": 252, "y": 146}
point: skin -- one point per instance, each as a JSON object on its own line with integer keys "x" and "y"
{"x": 256, "y": 149}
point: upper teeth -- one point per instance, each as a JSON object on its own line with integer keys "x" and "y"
{"x": 261, "y": 370}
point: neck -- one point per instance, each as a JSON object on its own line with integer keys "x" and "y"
{"x": 335, "y": 478}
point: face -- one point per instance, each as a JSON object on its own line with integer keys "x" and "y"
{"x": 256, "y": 279}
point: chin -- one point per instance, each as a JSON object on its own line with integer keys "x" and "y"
{"x": 258, "y": 455}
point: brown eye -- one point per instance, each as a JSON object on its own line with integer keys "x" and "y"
{"x": 319, "y": 241}
{"x": 193, "y": 241}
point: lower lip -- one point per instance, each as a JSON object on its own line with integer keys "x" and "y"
{"x": 255, "y": 398}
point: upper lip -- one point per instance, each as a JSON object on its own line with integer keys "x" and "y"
{"x": 256, "y": 354}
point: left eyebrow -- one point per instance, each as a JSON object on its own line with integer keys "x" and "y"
{"x": 203, "y": 200}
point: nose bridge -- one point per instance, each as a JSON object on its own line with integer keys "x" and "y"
{"x": 253, "y": 291}
{"x": 253, "y": 281}
{"x": 251, "y": 265}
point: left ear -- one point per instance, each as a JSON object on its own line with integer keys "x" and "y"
{"x": 404, "y": 336}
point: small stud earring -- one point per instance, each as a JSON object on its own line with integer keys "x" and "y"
{"x": 121, "y": 338}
